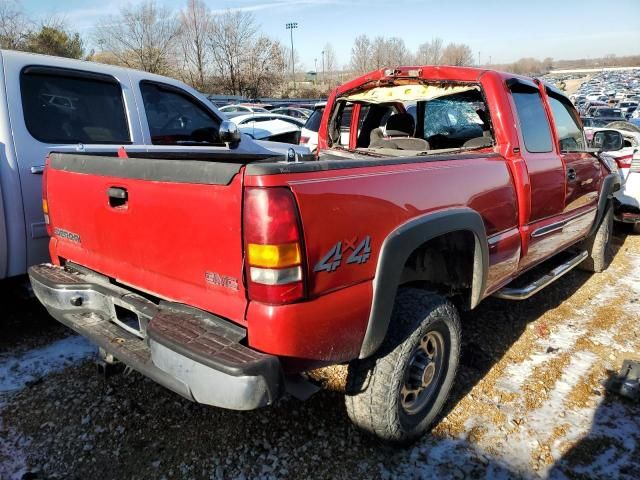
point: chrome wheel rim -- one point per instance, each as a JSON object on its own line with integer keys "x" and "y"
{"x": 423, "y": 372}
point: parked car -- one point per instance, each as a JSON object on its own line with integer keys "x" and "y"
{"x": 294, "y": 112}
{"x": 595, "y": 122}
{"x": 309, "y": 134}
{"x": 627, "y": 107}
{"x": 51, "y": 103}
{"x": 243, "y": 108}
{"x": 627, "y": 199}
{"x": 607, "y": 112}
{"x": 225, "y": 276}
{"x": 269, "y": 126}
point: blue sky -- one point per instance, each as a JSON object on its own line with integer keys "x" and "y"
{"x": 504, "y": 30}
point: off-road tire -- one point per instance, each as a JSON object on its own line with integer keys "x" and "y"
{"x": 636, "y": 228}
{"x": 374, "y": 384}
{"x": 598, "y": 246}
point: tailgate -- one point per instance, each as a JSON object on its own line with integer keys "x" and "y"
{"x": 170, "y": 227}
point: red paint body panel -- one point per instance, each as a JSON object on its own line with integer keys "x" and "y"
{"x": 358, "y": 209}
{"x": 328, "y": 328}
{"x": 172, "y": 234}
{"x": 164, "y": 242}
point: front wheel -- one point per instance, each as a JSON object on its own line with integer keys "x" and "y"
{"x": 398, "y": 392}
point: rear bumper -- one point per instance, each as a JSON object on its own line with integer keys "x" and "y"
{"x": 190, "y": 352}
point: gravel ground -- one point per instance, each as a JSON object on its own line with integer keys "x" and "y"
{"x": 529, "y": 402}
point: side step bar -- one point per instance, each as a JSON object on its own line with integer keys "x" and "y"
{"x": 522, "y": 293}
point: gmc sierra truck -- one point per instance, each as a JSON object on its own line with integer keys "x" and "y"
{"x": 226, "y": 276}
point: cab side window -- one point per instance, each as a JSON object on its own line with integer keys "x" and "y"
{"x": 70, "y": 106}
{"x": 570, "y": 135}
{"x": 533, "y": 119}
{"x": 177, "y": 118}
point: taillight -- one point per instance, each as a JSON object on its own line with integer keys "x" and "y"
{"x": 624, "y": 161}
{"x": 273, "y": 246}
{"x": 45, "y": 201}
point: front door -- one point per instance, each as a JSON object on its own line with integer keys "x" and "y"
{"x": 582, "y": 169}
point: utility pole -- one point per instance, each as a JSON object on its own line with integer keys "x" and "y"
{"x": 478, "y": 58}
{"x": 323, "y": 79}
{"x": 291, "y": 26}
{"x": 489, "y": 59}
{"x": 315, "y": 69}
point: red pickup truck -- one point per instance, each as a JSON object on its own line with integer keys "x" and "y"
{"x": 225, "y": 277}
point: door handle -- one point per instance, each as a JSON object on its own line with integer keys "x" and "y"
{"x": 37, "y": 169}
{"x": 118, "y": 196}
{"x": 572, "y": 175}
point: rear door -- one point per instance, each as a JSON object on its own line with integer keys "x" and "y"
{"x": 542, "y": 231}
{"x": 53, "y": 105}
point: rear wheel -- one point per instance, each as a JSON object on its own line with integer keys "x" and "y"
{"x": 636, "y": 228}
{"x": 399, "y": 392}
{"x": 598, "y": 246}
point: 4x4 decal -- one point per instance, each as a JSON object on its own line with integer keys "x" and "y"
{"x": 333, "y": 258}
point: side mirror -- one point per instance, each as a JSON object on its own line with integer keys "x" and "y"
{"x": 229, "y": 133}
{"x": 607, "y": 140}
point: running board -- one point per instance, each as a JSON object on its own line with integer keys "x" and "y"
{"x": 534, "y": 287}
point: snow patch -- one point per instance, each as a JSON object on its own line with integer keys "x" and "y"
{"x": 437, "y": 458}
{"x": 17, "y": 371}
{"x": 563, "y": 338}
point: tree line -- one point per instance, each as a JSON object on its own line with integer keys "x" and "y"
{"x": 226, "y": 53}
{"x": 370, "y": 54}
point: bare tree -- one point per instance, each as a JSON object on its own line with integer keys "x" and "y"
{"x": 195, "y": 27}
{"x": 379, "y": 55}
{"x": 230, "y": 38}
{"x": 430, "y": 53}
{"x": 457, "y": 54}
{"x": 330, "y": 61}
{"x": 381, "y": 52}
{"x": 396, "y": 52}
{"x": 141, "y": 37}
{"x": 361, "y": 54}
{"x": 300, "y": 67}
{"x": 245, "y": 62}
{"x": 264, "y": 69}
{"x": 527, "y": 66}
{"x": 14, "y": 26}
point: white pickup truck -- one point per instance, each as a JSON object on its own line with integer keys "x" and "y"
{"x": 57, "y": 104}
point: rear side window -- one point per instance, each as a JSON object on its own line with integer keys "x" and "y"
{"x": 64, "y": 106}
{"x": 313, "y": 123}
{"x": 176, "y": 118}
{"x": 567, "y": 125}
{"x": 533, "y": 119}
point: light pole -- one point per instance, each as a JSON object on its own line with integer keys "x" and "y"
{"x": 291, "y": 26}
{"x": 323, "y": 79}
{"x": 315, "y": 69}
